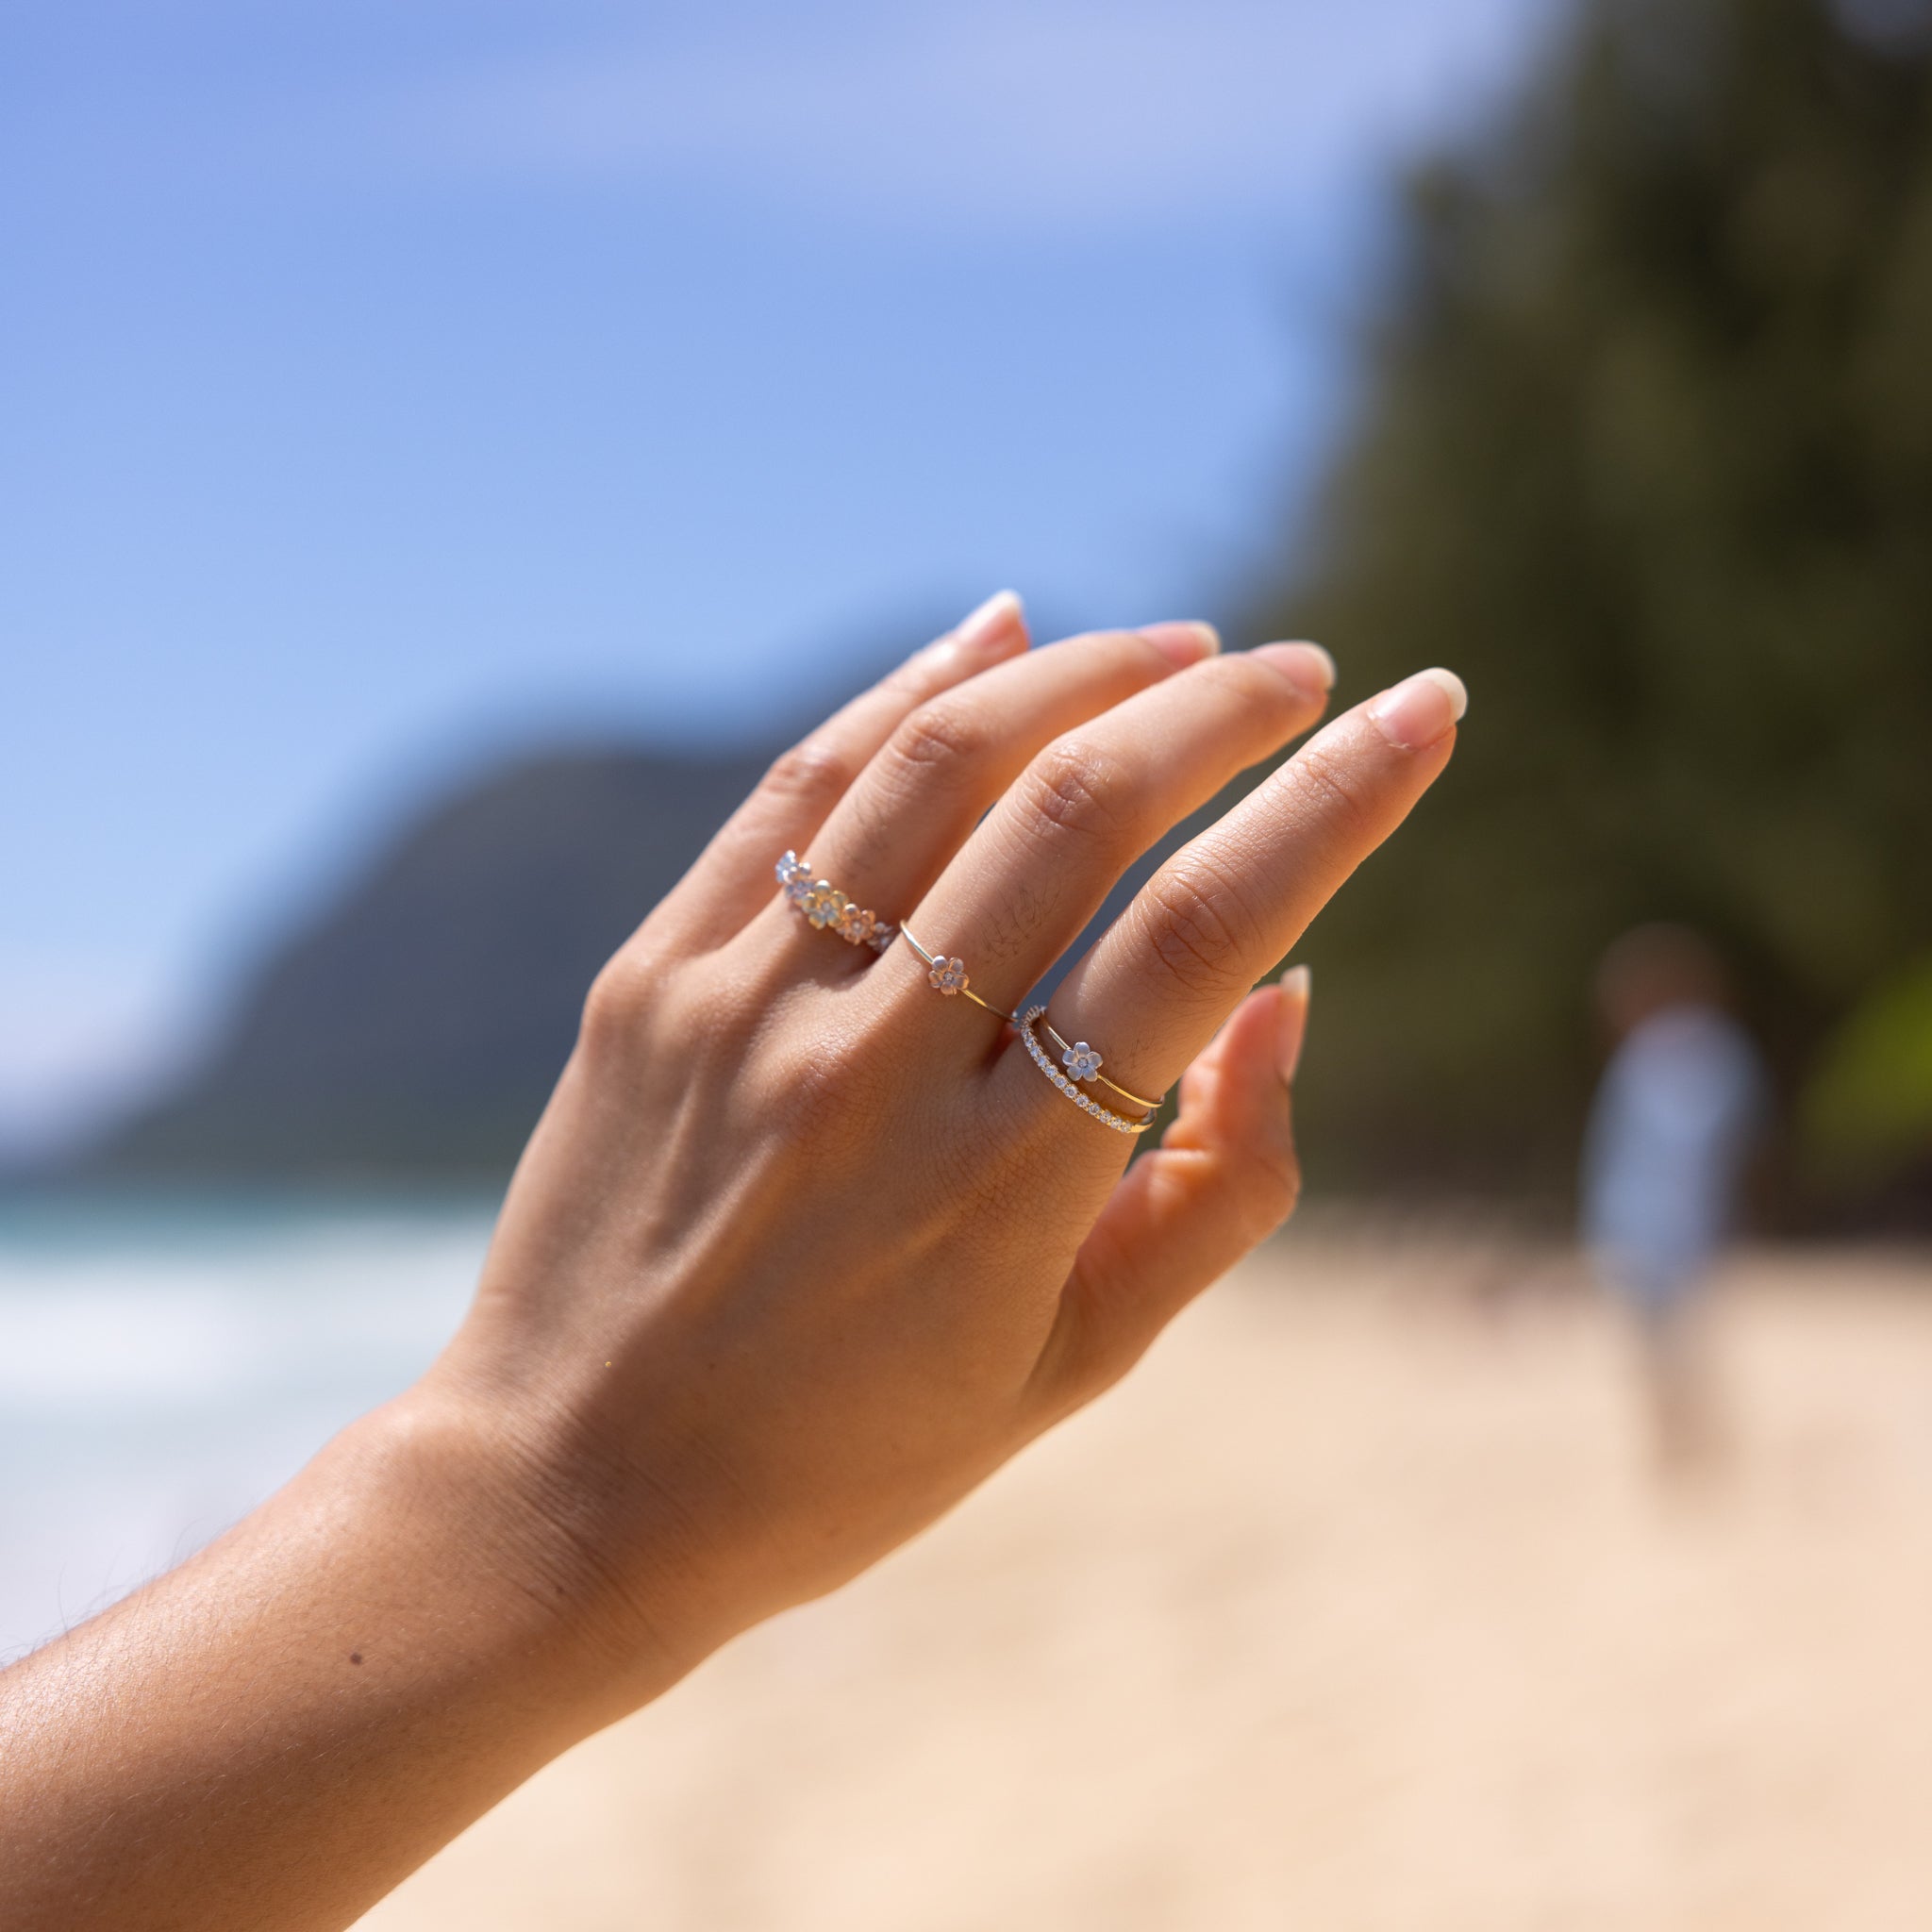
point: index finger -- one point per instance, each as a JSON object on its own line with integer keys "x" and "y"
{"x": 731, "y": 880}
{"x": 1225, "y": 910}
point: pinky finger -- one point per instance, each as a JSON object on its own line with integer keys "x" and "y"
{"x": 1223, "y": 1178}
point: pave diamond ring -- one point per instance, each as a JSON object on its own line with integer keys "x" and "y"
{"x": 1083, "y": 1064}
{"x": 949, "y": 976}
{"x": 1070, "y": 1086}
{"x": 825, "y": 905}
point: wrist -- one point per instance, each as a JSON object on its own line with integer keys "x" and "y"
{"x": 533, "y": 1535}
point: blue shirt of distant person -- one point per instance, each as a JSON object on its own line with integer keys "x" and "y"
{"x": 1680, "y": 1106}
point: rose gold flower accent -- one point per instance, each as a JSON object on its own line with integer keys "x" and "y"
{"x": 854, "y": 923}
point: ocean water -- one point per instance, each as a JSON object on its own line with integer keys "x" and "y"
{"x": 166, "y": 1363}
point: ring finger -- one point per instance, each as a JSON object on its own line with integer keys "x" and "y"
{"x": 1226, "y": 909}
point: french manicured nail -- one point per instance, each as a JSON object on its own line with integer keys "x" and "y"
{"x": 1420, "y": 709}
{"x": 1296, "y": 985}
{"x": 1308, "y": 667}
{"x": 1184, "y": 643}
{"x": 999, "y": 613}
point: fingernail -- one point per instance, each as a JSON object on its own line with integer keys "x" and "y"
{"x": 1296, "y": 985}
{"x": 998, "y": 613}
{"x": 1308, "y": 667}
{"x": 1183, "y": 644}
{"x": 1420, "y": 709}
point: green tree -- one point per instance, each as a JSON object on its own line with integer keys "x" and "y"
{"x": 1644, "y": 451}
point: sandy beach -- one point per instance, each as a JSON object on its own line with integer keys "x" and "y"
{"x": 1359, "y": 1606}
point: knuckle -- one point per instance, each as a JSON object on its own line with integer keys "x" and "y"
{"x": 1200, "y": 927}
{"x": 811, "y": 773}
{"x": 902, "y": 680}
{"x": 913, "y": 678}
{"x": 619, "y": 1000}
{"x": 938, "y": 737}
{"x": 1273, "y": 1187}
{"x": 1075, "y": 787}
{"x": 1339, "y": 794}
{"x": 1257, "y": 685}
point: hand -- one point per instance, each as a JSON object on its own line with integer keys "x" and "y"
{"x": 800, "y": 1251}
{"x": 802, "y": 1248}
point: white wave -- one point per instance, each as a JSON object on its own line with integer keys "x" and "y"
{"x": 155, "y": 1387}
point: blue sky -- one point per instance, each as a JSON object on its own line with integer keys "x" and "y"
{"x": 387, "y": 383}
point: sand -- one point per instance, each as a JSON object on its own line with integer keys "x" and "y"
{"x": 1359, "y": 1604}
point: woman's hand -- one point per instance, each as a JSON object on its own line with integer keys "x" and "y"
{"x": 802, "y": 1248}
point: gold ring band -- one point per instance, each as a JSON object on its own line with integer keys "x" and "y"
{"x": 825, "y": 905}
{"x": 1086, "y": 1103}
{"x": 949, "y": 976}
{"x": 1083, "y": 1064}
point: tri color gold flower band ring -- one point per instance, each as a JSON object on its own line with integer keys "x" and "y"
{"x": 825, "y": 905}
{"x": 828, "y": 909}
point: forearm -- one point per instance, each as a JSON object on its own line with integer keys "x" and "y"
{"x": 277, "y": 1732}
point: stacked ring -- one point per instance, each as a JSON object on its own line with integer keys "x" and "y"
{"x": 1083, "y": 1064}
{"x": 949, "y": 976}
{"x": 825, "y": 905}
{"x": 1069, "y": 1087}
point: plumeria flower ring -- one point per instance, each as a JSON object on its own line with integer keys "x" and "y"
{"x": 794, "y": 875}
{"x": 1080, "y": 1061}
{"x": 825, "y": 905}
{"x": 823, "y": 902}
{"x": 949, "y": 976}
{"x": 854, "y": 923}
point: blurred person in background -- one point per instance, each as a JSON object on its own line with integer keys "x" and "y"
{"x": 1679, "y": 1105}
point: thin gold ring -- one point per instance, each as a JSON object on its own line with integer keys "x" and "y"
{"x": 1083, "y": 1064}
{"x": 949, "y": 976}
{"x": 1085, "y": 1102}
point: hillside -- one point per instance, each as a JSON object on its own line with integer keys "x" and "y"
{"x": 417, "y": 1024}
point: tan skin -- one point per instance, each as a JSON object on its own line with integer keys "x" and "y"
{"x": 800, "y": 1251}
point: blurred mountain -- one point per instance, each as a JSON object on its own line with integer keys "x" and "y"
{"x": 417, "y": 1026}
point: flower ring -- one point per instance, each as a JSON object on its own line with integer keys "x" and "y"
{"x": 1085, "y": 1064}
{"x": 1080, "y": 1061}
{"x": 1085, "y": 1102}
{"x": 949, "y": 976}
{"x": 825, "y": 905}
